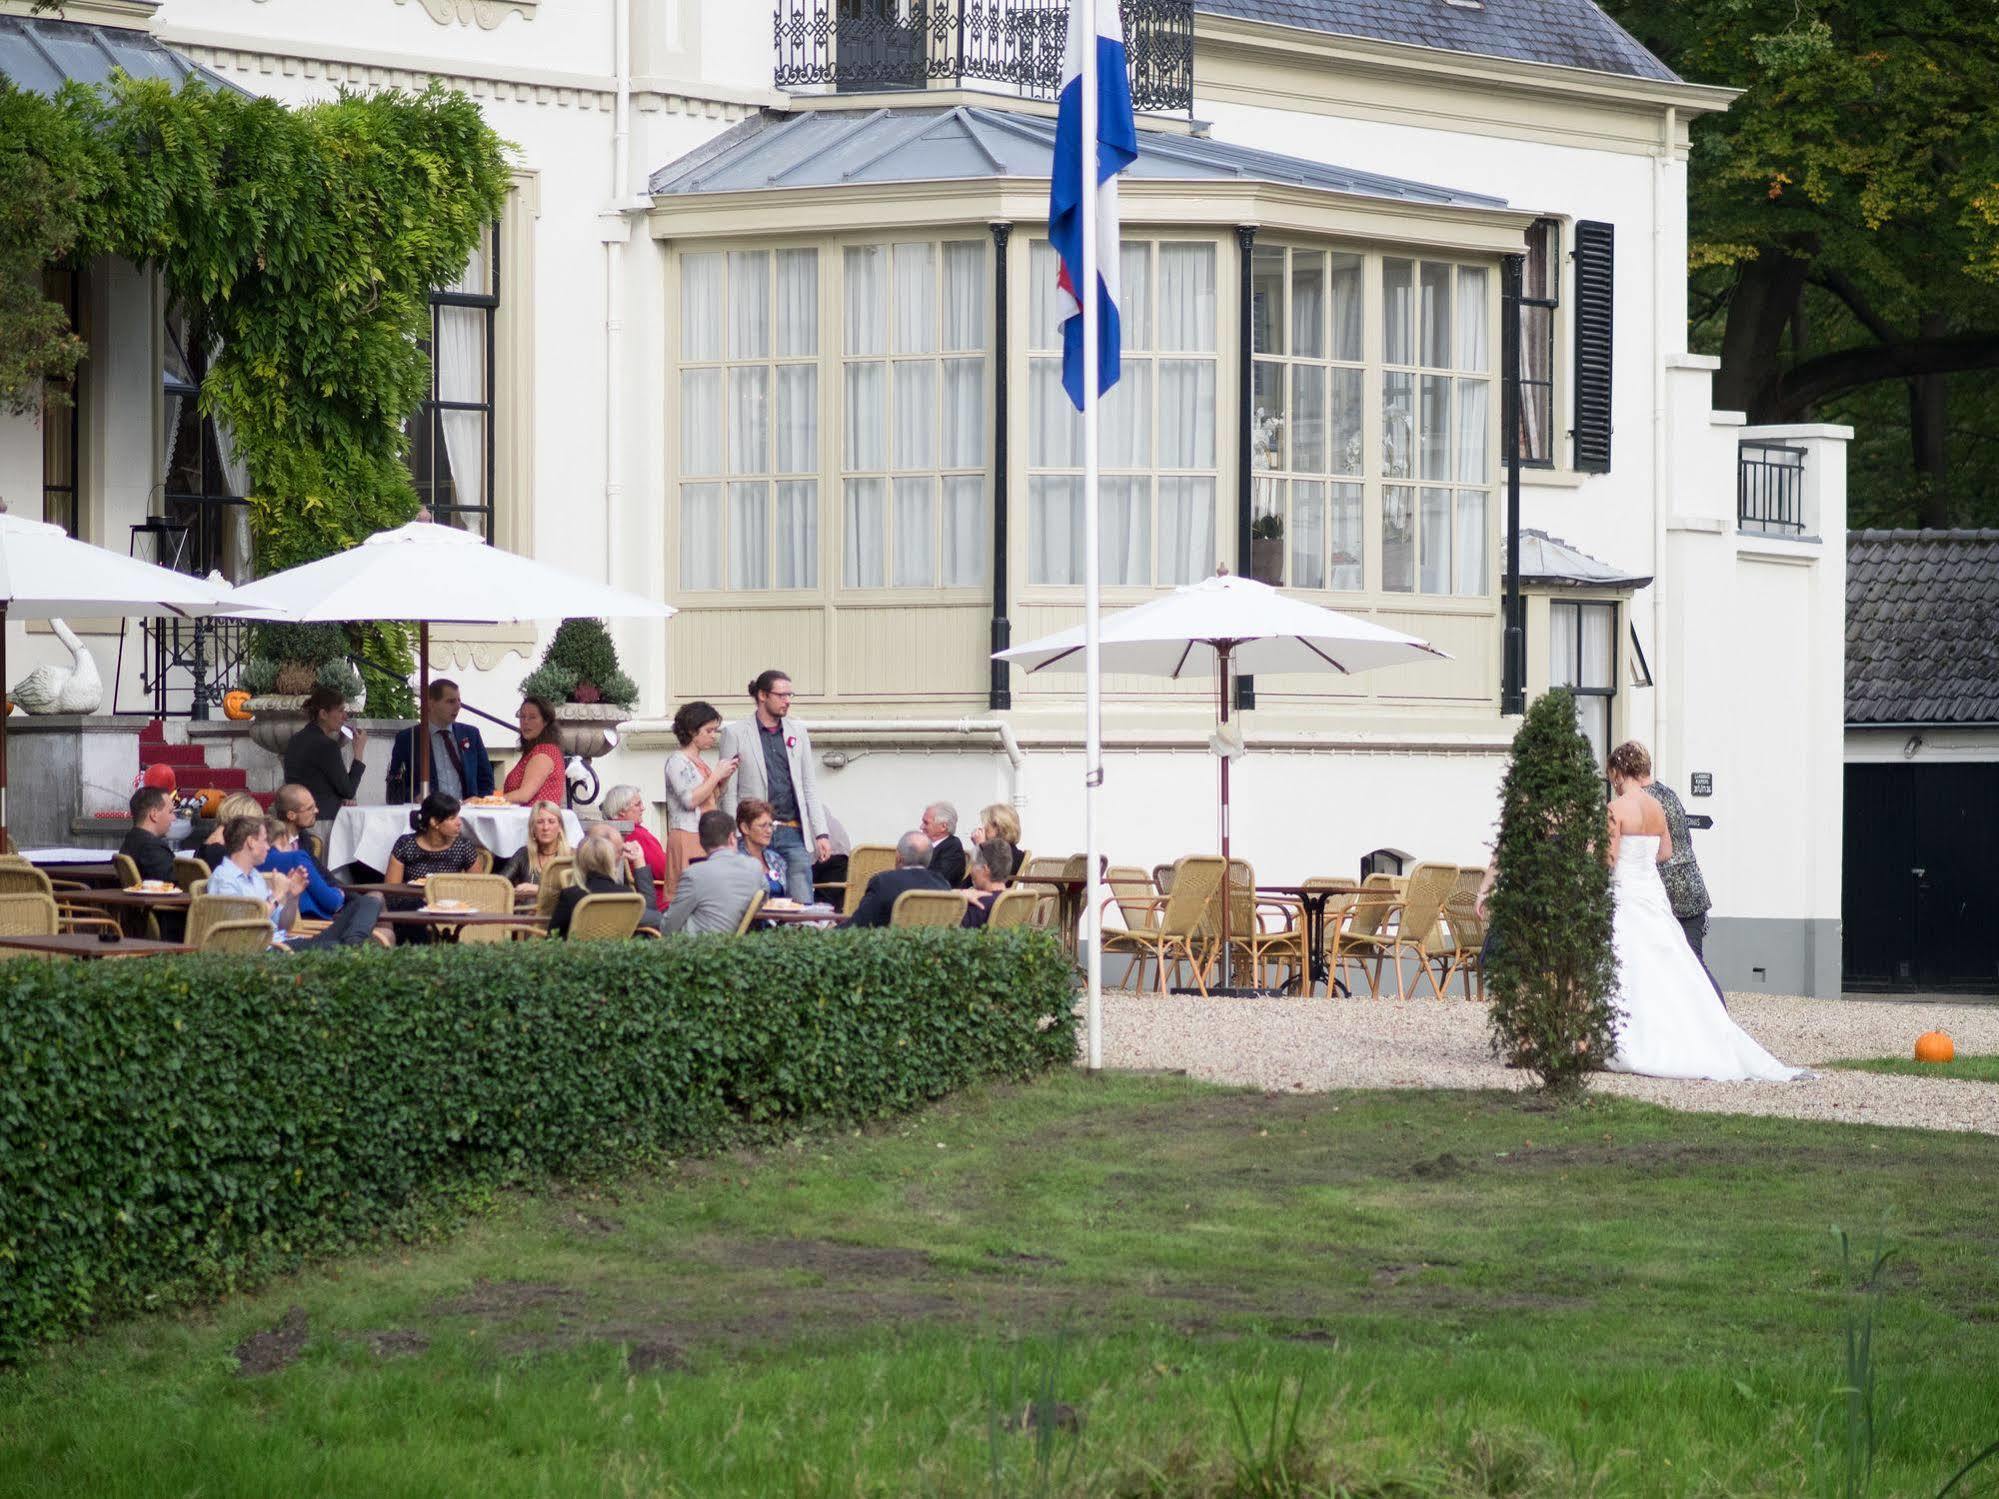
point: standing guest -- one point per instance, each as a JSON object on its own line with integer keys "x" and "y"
{"x": 1002, "y": 823}
{"x": 539, "y": 774}
{"x": 912, "y": 872}
{"x": 756, "y": 824}
{"x": 1686, "y": 891}
{"x": 437, "y": 843}
{"x": 548, "y": 840}
{"x": 626, "y": 804}
{"x": 691, "y": 787}
{"x": 716, "y": 890}
{"x": 239, "y": 804}
{"x": 631, "y": 869}
{"x": 773, "y": 755}
{"x": 990, "y": 865}
{"x": 320, "y": 899}
{"x": 146, "y": 844}
{"x": 459, "y": 764}
{"x": 246, "y": 842}
{"x": 947, "y": 854}
{"x": 599, "y": 862}
{"x": 313, "y": 758}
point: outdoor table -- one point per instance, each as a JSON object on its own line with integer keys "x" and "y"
{"x": 806, "y": 916}
{"x": 365, "y": 835}
{"x": 1314, "y": 899}
{"x": 447, "y": 923}
{"x": 126, "y": 904}
{"x": 82, "y": 945}
{"x": 77, "y": 873}
{"x": 48, "y": 858}
{"x": 1070, "y": 892}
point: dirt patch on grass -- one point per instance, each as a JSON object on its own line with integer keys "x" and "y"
{"x": 824, "y": 1257}
{"x": 395, "y": 1342}
{"x": 502, "y": 1300}
{"x": 275, "y": 1349}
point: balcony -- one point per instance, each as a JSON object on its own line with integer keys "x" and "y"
{"x": 1770, "y": 488}
{"x": 1010, "y": 47}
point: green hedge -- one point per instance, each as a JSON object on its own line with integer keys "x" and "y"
{"x": 173, "y": 1127}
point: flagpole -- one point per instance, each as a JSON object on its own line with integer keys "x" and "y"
{"x": 1093, "y": 727}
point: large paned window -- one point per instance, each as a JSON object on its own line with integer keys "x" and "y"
{"x": 749, "y": 419}
{"x": 451, "y": 433}
{"x": 1540, "y": 292}
{"x": 62, "y": 421}
{"x": 1582, "y": 656}
{"x": 1157, "y": 449}
{"x": 913, "y": 415}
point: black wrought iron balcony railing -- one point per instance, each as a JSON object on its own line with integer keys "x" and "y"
{"x": 1770, "y": 488}
{"x": 1014, "y": 46}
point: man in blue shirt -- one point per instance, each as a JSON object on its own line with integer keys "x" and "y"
{"x": 459, "y": 764}
{"x": 245, "y": 843}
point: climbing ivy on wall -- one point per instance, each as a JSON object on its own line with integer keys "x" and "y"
{"x": 303, "y": 243}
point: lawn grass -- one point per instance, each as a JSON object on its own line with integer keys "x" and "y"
{"x": 1473, "y": 1297}
{"x": 1963, "y": 1068}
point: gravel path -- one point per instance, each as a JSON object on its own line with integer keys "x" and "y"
{"x": 1318, "y": 1044}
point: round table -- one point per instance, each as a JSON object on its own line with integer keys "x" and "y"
{"x": 365, "y": 835}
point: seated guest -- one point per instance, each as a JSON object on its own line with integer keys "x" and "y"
{"x": 246, "y": 842}
{"x": 459, "y": 765}
{"x": 321, "y": 899}
{"x": 947, "y": 854}
{"x": 146, "y": 845}
{"x": 626, "y": 804}
{"x": 548, "y": 840}
{"x": 829, "y": 875}
{"x": 717, "y": 889}
{"x": 235, "y": 804}
{"x": 631, "y": 870}
{"x": 912, "y": 872}
{"x": 990, "y": 865}
{"x": 314, "y": 760}
{"x": 540, "y": 775}
{"x": 1000, "y": 823}
{"x": 599, "y": 871}
{"x": 756, "y": 824}
{"x": 437, "y": 843}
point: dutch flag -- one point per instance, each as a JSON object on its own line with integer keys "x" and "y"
{"x": 1117, "y": 148}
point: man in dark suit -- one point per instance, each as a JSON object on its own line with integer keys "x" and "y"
{"x": 912, "y": 872}
{"x": 459, "y": 764}
{"x": 947, "y": 854}
{"x": 146, "y": 844}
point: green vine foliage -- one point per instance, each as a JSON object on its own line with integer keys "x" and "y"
{"x": 49, "y": 173}
{"x": 1552, "y": 971}
{"x": 303, "y": 243}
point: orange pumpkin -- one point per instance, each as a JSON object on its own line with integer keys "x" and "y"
{"x": 1934, "y": 1046}
{"x": 236, "y": 705}
{"x": 211, "y": 801}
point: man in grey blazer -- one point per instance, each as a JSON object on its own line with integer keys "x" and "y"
{"x": 774, "y": 764}
{"x": 714, "y": 893}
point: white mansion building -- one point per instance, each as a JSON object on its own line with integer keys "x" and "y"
{"x": 766, "y": 331}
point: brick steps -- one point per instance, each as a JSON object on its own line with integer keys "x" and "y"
{"x": 190, "y": 765}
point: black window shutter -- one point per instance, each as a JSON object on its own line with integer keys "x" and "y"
{"x": 1596, "y": 276}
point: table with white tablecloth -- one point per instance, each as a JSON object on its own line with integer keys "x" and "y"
{"x": 365, "y": 835}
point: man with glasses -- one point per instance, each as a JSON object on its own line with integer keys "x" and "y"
{"x": 774, "y": 764}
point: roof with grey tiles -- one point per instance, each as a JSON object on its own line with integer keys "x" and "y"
{"x": 1922, "y": 627}
{"x": 1550, "y": 562}
{"x": 840, "y": 148}
{"x": 40, "y": 55}
{"x": 1565, "y": 33}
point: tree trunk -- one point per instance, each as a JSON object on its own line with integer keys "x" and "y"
{"x": 1767, "y": 292}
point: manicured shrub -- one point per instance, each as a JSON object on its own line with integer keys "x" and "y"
{"x": 169, "y": 1128}
{"x": 1551, "y": 972}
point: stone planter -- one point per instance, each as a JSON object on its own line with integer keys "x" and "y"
{"x": 585, "y": 728}
{"x": 274, "y": 719}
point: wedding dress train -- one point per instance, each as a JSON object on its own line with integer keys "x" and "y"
{"x": 1672, "y": 1024}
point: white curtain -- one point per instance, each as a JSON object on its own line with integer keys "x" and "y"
{"x": 1435, "y": 281}
{"x": 1124, "y": 530}
{"x": 1044, "y": 301}
{"x": 1055, "y": 433}
{"x": 964, "y": 413}
{"x": 862, "y": 532}
{"x": 1563, "y": 626}
{"x": 1436, "y": 536}
{"x": 915, "y": 533}
{"x": 1186, "y": 529}
{"x": 235, "y": 519}
{"x": 1435, "y": 426}
{"x": 866, "y": 300}
{"x": 1398, "y": 539}
{"x": 461, "y": 376}
{"x": 1187, "y": 297}
{"x": 1398, "y": 425}
{"x": 700, "y": 536}
{"x": 701, "y": 305}
{"x": 1597, "y": 620}
{"x": 1267, "y": 299}
{"x": 965, "y": 295}
{"x": 1470, "y": 542}
{"x": 749, "y": 535}
{"x": 1474, "y": 429}
{"x": 1474, "y": 319}
{"x": 916, "y": 298}
{"x": 1348, "y": 450}
{"x": 1349, "y": 539}
{"x": 1124, "y": 418}
{"x": 749, "y": 304}
{"x": 749, "y": 420}
{"x": 1186, "y": 413}
{"x": 866, "y": 416}
{"x": 1308, "y": 418}
{"x": 1537, "y": 363}
{"x": 1308, "y": 304}
{"x": 914, "y": 443}
{"x": 1349, "y": 307}
{"x": 1308, "y": 535}
{"x": 1398, "y": 282}
{"x": 965, "y": 531}
{"x": 701, "y": 426}
{"x": 797, "y": 302}
{"x": 1054, "y": 528}
{"x": 796, "y": 553}
{"x": 1135, "y": 295}
{"x": 797, "y": 419}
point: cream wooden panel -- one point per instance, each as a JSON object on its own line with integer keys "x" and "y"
{"x": 713, "y": 653}
{"x": 911, "y": 653}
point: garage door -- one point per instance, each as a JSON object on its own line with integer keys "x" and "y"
{"x": 1921, "y": 898}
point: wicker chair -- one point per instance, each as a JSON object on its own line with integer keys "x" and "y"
{"x": 865, "y": 862}
{"x": 606, "y": 918}
{"x": 488, "y": 893}
{"x": 316, "y": 846}
{"x": 750, "y": 913}
{"x": 1042, "y": 869}
{"x": 557, "y": 877}
{"x": 1182, "y": 932}
{"x": 205, "y": 911}
{"x": 128, "y": 870}
{"x": 1365, "y": 933}
{"x": 251, "y": 935}
{"x": 928, "y": 908}
{"x": 1266, "y": 931}
{"x": 1013, "y": 908}
{"x": 187, "y": 871}
{"x": 26, "y": 915}
{"x": 1421, "y": 932}
{"x": 1162, "y": 878}
{"x": 25, "y": 879}
{"x": 1135, "y": 896}
{"x": 1468, "y": 930}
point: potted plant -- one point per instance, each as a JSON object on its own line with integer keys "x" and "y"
{"x": 580, "y": 674}
{"x": 1266, "y": 548}
{"x": 286, "y": 662}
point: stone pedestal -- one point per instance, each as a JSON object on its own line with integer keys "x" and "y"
{"x": 63, "y": 769}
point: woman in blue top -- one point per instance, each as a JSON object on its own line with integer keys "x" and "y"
{"x": 321, "y": 899}
{"x": 755, "y": 823}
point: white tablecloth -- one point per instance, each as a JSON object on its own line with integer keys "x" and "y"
{"x": 364, "y": 835}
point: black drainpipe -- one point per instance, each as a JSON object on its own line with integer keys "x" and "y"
{"x": 1245, "y": 238}
{"x": 1000, "y": 693}
{"x": 1513, "y": 669}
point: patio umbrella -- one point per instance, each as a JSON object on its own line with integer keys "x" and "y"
{"x": 1225, "y": 624}
{"x": 434, "y": 575}
{"x": 45, "y": 573}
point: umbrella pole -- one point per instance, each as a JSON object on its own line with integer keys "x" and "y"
{"x": 1228, "y": 868}
{"x": 423, "y": 706}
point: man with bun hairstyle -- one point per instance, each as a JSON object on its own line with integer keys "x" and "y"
{"x": 773, "y": 755}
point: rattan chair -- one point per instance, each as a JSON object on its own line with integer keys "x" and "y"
{"x": 26, "y": 915}
{"x": 316, "y": 846}
{"x": 1013, "y": 908}
{"x": 928, "y": 908}
{"x": 1468, "y": 930}
{"x": 188, "y": 871}
{"x": 25, "y": 879}
{"x": 864, "y": 862}
{"x": 1134, "y": 895}
{"x": 556, "y": 876}
{"x": 128, "y": 870}
{"x": 248, "y": 935}
{"x": 1421, "y": 931}
{"x": 1266, "y": 931}
{"x": 199, "y": 887}
{"x": 1366, "y": 931}
{"x": 605, "y": 918}
{"x": 1042, "y": 869}
{"x": 205, "y": 911}
{"x": 1182, "y": 932}
{"x": 750, "y": 913}
{"x": 1162, "y": 878}
{"x": 491, "y": 894}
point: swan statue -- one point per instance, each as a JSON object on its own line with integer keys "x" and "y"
{"x": 75, "y": 688}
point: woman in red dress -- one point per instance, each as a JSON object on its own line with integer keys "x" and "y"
{"x": 538, "y": 775}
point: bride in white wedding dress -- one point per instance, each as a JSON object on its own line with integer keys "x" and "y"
{"x": 1673, "y": 1024}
